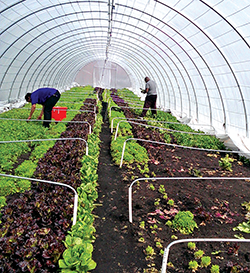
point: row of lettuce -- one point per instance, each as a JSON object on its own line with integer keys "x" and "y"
{"x": 77, "y": 257}
{"x": 79, "y": 241}
{"x": 135, "y": 152}
{"x": 14, "y": 128}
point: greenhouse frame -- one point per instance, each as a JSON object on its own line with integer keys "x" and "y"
{"x": 140, "y": 142}
{"x": 196, "y": 51}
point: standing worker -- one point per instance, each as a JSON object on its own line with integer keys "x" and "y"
{"x": 47, "y": 97}
{"x": 150, "y": 101}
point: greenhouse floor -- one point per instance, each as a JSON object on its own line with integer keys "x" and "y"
{"x": 115, "y": 249}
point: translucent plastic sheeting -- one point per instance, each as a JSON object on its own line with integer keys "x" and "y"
{"x": 197, "y": 51}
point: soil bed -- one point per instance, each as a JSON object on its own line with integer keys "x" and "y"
{"x": 215, "y": 204}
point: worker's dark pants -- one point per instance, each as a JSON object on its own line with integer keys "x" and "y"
{"x": 150, "y": 101}
{"x": 48, "y": 105}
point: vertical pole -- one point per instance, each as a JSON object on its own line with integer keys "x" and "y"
{"x": 75, "y": 209}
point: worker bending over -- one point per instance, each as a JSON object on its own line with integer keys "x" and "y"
{"x": 47, "y": 97}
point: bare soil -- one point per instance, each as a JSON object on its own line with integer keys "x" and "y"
{"x": 216, "y": 206}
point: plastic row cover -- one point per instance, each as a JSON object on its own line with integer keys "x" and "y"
{"x": 196, "y": 51}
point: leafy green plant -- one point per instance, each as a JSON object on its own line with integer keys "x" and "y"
{"x": 244, "y": 227}
{"x": 194, "y": 172}
{"x": 193, "y": 265}
{"x": 171, "y": 202}
{"x": 165, "y": 196}
{"x": 198, "y": 254}
{"x": 162, "y": 189}
{"x": 2, "y": 204}
{"x": 78, "y": 256}
{"x": 7, "y": 186}
{"x": 141, "y": 240}
{"x": 162, "y": 252}
{"x": 215, "y": 269}
{"x": 154, "y": 229}
{"x": 191, "y": 245}
{"x": 246, "y": 205}
{"x": 226, "y": 163}
{"x": 183, "y": 221}
{"x": 152, "y": 187}
{"x": 149, "y": 251}
{"x": 205, "y": 261}
{"x": 2, "y": 201}
{"x": 158, "y": 244}
{"x": 157, "y": 202}
{"x": 142, "y": 224}
{"x": 26, "y": 169}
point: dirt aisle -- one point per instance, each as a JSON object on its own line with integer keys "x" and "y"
{"x": 115, "y": 249}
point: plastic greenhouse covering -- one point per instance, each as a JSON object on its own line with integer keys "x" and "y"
{"x": 196, "y": 51}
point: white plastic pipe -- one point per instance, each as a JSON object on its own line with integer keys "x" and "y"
{"x": 160, "y": 121}
{"x": 156, "y": 127}
{"x": 55, "y": 183}
{"x": 167, "y": 249}
{"x": 130, "y": 207}
{"x": 175, "y": 145}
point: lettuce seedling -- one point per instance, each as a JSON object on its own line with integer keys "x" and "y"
{"x": 149, "y": 251}
{"x": 171, "y": 202}
{"x": 215, "y": 269}
{"x": 191, "y": 246}
{"x": 193, "y": 265}
{"x": 198, "y": 254}
{"x": 205, "y": 261}
{"x": 142, "y": 224}
{"x": 162, "y": 189}
{"x": 225, "y": 163}
{"x": 152, "y": 187}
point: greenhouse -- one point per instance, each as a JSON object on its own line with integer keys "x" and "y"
{"x": 125, "y": 136}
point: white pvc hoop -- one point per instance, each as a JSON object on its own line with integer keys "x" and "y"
{"x": 130, "y": 208}
{"x": 174, "y": 145}
{"x": 159, "y": 121}
{"x": 55, "y": 183}
{"x": 156, "y": 127}
{"x": 167, "y": 249}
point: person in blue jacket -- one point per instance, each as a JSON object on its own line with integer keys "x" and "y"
{"x": 47, "y": 97}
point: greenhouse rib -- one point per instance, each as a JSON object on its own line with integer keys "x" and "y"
{"x": 167, "y": 249}
{"x": 172, "y": 178}
{"x": 159, "y": 121}
{"x": 37, "y": 120}
{"x": 161, "y": 128}
{"x": 175, "y": 145}
{"x": 51, "y": 139}
{"x": 51, "y": 182}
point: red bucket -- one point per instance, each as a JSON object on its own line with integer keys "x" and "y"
{"x": 59, "y": 113}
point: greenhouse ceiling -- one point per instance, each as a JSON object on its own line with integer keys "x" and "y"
{"x": 196, "y": 51}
